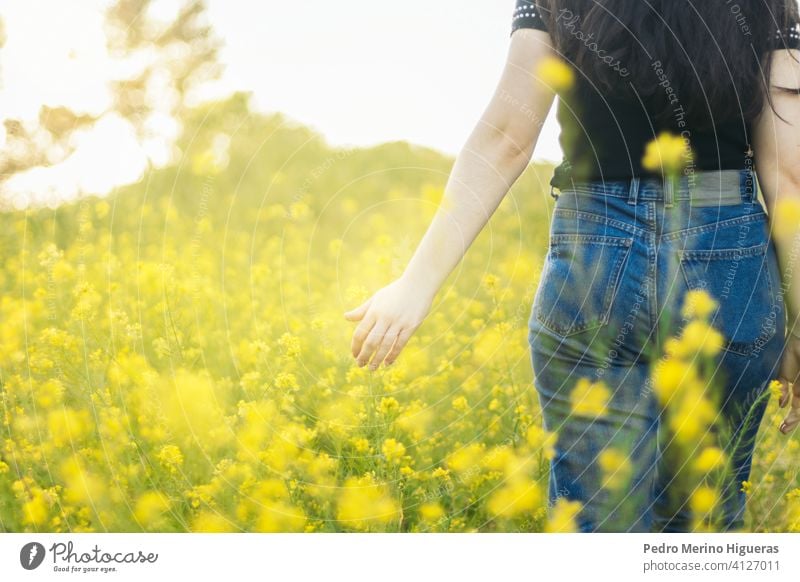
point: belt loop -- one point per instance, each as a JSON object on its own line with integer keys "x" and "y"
{"x": 633, "y": 193}
{"x": 669, "y": 191}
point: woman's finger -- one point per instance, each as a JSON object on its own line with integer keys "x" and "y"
{"x": 784, "y": 400}
{"x": 360, "y": 334}
{"x": 792, "y": 418}
{"x": 358, "y": 312}
{"x": 374, "y": 338}
{"x": 383, "y": 349}
{"x": 399, "y": 344}
{"x": 791, "y": 421}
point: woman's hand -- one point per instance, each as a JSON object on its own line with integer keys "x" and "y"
{"x": 790, "y": 384}
{"x": 497, "y": 151}
{"x": 388, "y": 319}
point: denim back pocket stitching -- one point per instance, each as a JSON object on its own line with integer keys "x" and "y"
{"x": 757, "y": 216}
{"x": 693, "y": 262}
{"x": 598, "y": 218}
{"x": 553, "y": 307}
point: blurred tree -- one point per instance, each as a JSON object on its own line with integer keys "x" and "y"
{"x": 157, "y": 63}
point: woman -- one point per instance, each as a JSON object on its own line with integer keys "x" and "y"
{"x": 629, "y": 240}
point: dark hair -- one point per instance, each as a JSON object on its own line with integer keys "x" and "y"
{"x": 711, "y": 52}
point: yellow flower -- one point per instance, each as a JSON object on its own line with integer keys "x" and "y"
{"x": 170, "y": 458}
{"x": 667, "y": 153}
{"x": 68, "y": 425}
{"x": 388, "y": 405}
{"x": 590, "y": 398}
{"x": 703, "y": 500}
{"x": 393, "y": 450}
{"x": 49, "y": 393}
{"x": 290, "y": 344}
{"x": 698, "y": 303}
{"x": 191, "y": 404}
{"x": 699, "y": 337}
{"x": 669, "y": 378}
{"x": 431, "y": 511}
{"x": 787, "y": 218}
{"x": 775, "y": 389}
{"x": 709, "y": 459}
{"x": 490, "y": 281}
{"x": 466, "y": 458}
{"x": 360, "y": 444}
{"x": 36, "y": 509}
{"x": 440, "y": 473}
{"x": 279, "y": 516}
{"x": 299, "y": 210}
{"x": 556, "y": 74}
{"x": 460, "y": 404}
{"x": 150, "y": 508}
{"x": 518, "y": 496}
{"x": 364, "y": 503}
{"x": 692, "y": 418}
{"x": 286, "y": 381}
{"x": 747, "y": 487}
{"x": 81, "y": 485}
{"x": 499, "y": 458}
{"x": 616, "y": 469}
{"x": 541, "y": 440}
{"x": 211, "y": 522}
{"x": 563, "y": 517}
{"x": 488, "y": 344}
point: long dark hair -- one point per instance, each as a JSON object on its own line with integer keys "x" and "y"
{"x": 711, "y": 52}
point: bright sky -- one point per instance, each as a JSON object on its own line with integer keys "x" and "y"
{"x": 360, "y": 72}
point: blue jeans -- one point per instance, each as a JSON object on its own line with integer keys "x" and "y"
{"x": 622, "y": 256}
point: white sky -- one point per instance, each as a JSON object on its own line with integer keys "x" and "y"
{"x": 360, "y": 72}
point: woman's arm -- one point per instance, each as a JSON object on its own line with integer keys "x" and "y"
{"x": 777, "y": 150}
{"x": 495, "y": 154}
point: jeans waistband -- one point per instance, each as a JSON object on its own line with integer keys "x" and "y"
{"x": 702, "y": 188}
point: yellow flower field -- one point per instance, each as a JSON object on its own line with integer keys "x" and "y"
{"x": 174, "y": 357}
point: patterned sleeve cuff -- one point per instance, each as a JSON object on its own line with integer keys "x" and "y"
{"x": 527, "y": 15}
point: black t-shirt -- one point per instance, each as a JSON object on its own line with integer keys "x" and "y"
{"x": 607, "y": 140}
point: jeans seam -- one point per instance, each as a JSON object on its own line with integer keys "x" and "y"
{"x": 570, "y": 213}
{"x": 725, "y": 253}
{"x": 601, "y": 239}
{"x": 713, "y": 226}
{"x": 652, "y": 256}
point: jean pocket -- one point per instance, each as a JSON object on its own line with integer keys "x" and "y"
{"x": 740, "y": 281}
{"x": 579, "y": 281}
